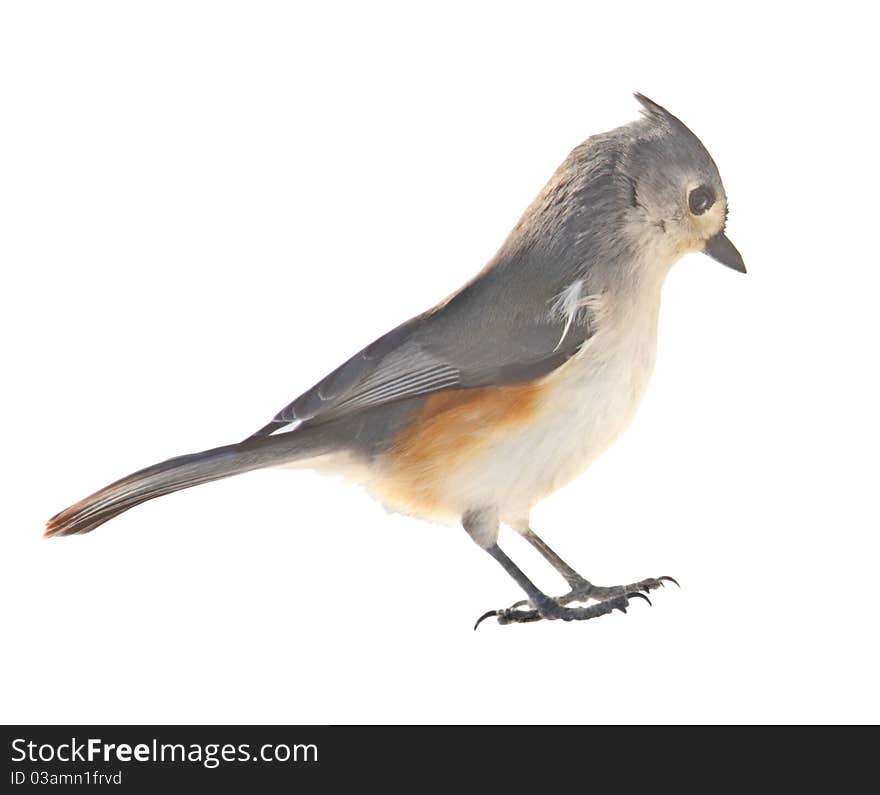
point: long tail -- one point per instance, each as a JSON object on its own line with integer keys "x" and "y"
{"x": 181, "y": 473}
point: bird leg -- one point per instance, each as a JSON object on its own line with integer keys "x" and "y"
{"x": 542, "y": 606}
{"x": 582, "y": 589}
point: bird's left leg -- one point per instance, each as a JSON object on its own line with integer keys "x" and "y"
{"x": 581, "y": 588}
{"x": 482, "y": 526}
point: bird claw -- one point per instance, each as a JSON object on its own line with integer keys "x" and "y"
{"x": 511, "y": 615}
{"x": 622, "y": 602}
{"x": 485, "y": 615}
{"x": 633, "y": 594}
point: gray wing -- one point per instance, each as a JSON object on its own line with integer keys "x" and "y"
{"x": 497, "y": 330}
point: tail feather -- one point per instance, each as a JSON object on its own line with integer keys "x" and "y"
{"x": 180, "y": 473}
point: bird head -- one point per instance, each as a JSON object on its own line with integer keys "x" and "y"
{"x": 678, "y": 203}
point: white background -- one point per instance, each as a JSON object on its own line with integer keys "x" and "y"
{"x": 205, "y": 207}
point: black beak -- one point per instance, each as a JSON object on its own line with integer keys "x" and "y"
{"x": 721, "y": 249}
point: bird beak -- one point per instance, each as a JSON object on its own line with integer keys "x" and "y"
{"x": 721, "y": 249}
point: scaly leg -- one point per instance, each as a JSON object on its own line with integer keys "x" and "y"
{"x": 482, "y": 526}
{"x": 543, "y": 606}
{"x": 582, "y": 589}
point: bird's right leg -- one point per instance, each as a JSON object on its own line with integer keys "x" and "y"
{"x": 581, "y": 588}
{"x": 482, "y": 526}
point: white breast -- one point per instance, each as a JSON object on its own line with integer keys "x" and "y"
{"x": 589, "y": 402}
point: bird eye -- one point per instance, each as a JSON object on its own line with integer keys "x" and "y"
{"x": 701, "y": 199}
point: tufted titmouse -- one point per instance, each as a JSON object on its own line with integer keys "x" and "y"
{"x": 475, "y": 410}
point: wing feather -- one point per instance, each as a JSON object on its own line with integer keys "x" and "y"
{"x": 458, "y": 345}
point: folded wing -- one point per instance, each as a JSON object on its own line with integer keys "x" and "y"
{"x": 474, "y": 339}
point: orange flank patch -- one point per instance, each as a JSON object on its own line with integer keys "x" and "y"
{"x": 450, "y": 429}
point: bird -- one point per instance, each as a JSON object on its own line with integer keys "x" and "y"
{"x": 475, "y": 410}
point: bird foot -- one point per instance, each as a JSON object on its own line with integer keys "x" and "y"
{"x": 551, "y": 609}
{"x": 608, "y": 599}
{"x": 583, "y": 590}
